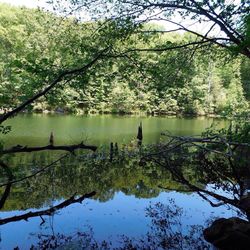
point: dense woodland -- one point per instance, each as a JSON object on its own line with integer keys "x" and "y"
{"x": 53, "y": 61}
{"x": 37, "y": 45}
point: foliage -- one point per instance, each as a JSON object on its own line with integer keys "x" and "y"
{"x": 227, "y": 22}
{"x": 237, "y": 131}
{"x": 5, "y": 129}
{"x": 38, "y": 45}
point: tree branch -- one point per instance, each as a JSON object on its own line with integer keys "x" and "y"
{"x": 58, "y": 79}
{"x": 162, "y": 49}
{"x": 196, "y": 8}
{"x": 49, "y": 211}
{"x": 25, "y": 149}
{"x": 166, "y": 158}
{"x": 211, "y": 140}
{"x": 8, "y": 186}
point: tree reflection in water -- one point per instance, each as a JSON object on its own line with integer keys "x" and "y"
{"x": 166, "y": 231}
{"x": 81, "y": 174}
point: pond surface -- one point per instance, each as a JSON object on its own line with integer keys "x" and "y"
{"x": 125, "y": 191}
{"x": 100, "y": 129}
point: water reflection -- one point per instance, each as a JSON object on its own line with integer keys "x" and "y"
{"x": 123, "y": 188}
{"x": 75, "y": 175}
{"x": 165, "y": 231}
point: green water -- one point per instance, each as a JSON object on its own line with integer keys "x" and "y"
{"x": 99, "y": 130}
{"x": 124, "y": 190}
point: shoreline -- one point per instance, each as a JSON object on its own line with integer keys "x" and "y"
{"x": 146, "y": 114}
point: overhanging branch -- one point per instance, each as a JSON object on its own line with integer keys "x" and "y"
{"x": 57, "y": 80}
{"x": 162, "y": 49}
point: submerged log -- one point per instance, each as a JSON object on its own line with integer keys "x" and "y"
{"x": 140, "y": 134}
{"x": 69, "y": 148}
{"x": 51, "y": 139}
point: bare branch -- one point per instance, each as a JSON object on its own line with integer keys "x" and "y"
{"x": 180, "y": 178}
{"x": 182, "y": 27}
{"x": 49, "y": 211}
{"x": 69, "y": 148}
{"x": 206, "y": 140}
{"x": 169, "y": 157}
{"x": 162, "y": 49}
{"x": 209, "y": 201}
{"x": 157, "y": 31}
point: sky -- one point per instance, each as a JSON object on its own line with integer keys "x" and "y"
{"x": 27, "y": 3}
{"x": 202, "y": 28}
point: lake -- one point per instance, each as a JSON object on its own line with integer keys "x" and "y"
{"x": 128, "y": 196}
{"x": 100, "y": 129}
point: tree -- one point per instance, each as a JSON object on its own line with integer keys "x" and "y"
{"x": 167, "y": 82}
{"x": 231, "y": 19}
{"x": 36, "y": 56}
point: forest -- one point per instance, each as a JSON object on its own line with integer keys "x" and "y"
{"x": 125, "y": 124}
{"x": 211, "y": 82}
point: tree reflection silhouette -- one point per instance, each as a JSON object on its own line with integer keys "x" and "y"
{"x": 167, "y": 230}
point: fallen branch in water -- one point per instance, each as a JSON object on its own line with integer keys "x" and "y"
{"x": 218, "y": 161}
{"x": 213, "y": 140}
{"x": 26, "y": 149}
{"x": 48, "y": 211}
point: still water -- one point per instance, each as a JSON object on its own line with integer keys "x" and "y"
{"x": 100, "y": 129}
{"x": 124, "y": 192}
